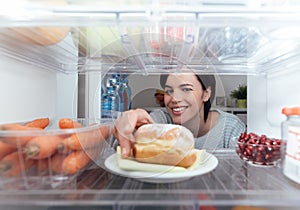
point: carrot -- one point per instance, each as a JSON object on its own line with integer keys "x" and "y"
{"x": 38, "y": 123}
{"x": 51, "y": 164}
{"x": 63, "y": 147}
{"x": 68, "y": 144}
{"x": 18, "y": 140}
{"x": 17, "y": 127}
{"x": 43, "y": 166}
{"x": 67, "y": 123}
{"x": 14, "y": 164}
{"x": 5, "y": 149}
{"x": 42, "y": 146}
{"x": 85, "y": 140}
{"x": 77, "y": 160}
{"x": 56, "y": 163}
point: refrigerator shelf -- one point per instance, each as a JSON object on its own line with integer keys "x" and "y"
{"x": 232, "y": 183}
{"x": 84, "y": 36}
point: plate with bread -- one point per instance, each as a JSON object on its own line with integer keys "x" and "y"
{"x": 162, "y": 153}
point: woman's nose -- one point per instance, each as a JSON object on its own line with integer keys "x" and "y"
{"x": 176, "y": 96}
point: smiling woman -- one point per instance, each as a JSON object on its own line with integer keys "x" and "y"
{"x": 188, "y": 99}
{"x": 192, "y": 89}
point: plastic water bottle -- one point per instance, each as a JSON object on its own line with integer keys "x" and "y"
{"x": 105, "y": 106}
{"x": 115, "y": 96}
{"x": 120, "y": 91}
{"x": 128, "y": 92}
{"x": 123, "y": 92}
{"x": 113, "y": 100}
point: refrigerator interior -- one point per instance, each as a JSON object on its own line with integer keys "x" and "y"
{"x": 48, "y": 74}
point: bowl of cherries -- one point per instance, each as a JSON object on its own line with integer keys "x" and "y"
{"x": 258, "y": 149}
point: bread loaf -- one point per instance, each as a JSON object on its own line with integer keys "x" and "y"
{"x": 165, "y": 144}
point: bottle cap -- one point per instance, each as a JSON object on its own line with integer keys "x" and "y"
{"x": 291, "y": 110}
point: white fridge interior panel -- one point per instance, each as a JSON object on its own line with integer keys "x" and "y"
{"x": 37, "y": 86}
{"x": 267, "y": 95}
{"x": 92, "y": 95}
{"x": 67, "y": 82}
{"x": 26, "y": 91}
{"x": 282, "y": 90}
{"x": 257, "y": 107}
{"x": 67, "y": 96}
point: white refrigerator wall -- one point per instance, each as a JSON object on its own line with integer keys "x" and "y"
{"x": 267, "y": 95}
{"x": 67, "y": 96}
{"x": 29, "y": 91}
{"x": 26, "y": 91}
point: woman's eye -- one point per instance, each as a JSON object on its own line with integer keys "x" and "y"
{"x": 186, "y": 89}
{"x": 168, "y": 92}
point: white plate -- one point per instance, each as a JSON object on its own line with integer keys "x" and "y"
{"x": 204, "y": 167}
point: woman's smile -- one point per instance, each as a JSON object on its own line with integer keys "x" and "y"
{"x": 178, "y": 110}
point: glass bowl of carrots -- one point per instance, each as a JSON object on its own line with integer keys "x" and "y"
{"x": 42, "y": 153}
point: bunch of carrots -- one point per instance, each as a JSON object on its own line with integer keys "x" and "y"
{"x": 66, "y": 153}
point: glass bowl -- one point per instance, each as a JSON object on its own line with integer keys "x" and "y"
{"x": 45, "y": 153}
{"x": 258, "y": 149}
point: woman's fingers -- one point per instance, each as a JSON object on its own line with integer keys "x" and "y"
{"x": 124, "y": 137}
{"x": 143, "y": 117}
{"x": 126, "y": 125}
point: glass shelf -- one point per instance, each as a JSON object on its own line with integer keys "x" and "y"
{"x": 146, "y": 37}
{"x": 232, "y": 183}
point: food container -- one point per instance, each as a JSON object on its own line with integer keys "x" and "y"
{"x": 258, "y": 150}
{"x": 291, "y": 144}
{"x": 44, "y": 153}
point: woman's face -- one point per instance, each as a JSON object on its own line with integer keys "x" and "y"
{"x": 184, "y": 98}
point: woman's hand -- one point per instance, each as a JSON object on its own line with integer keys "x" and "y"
{"x": 126, "y": 125}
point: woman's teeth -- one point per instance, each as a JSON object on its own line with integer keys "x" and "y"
{"x": 179, "y": 109}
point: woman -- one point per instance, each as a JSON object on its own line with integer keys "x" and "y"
{"x": 188, "y": 99}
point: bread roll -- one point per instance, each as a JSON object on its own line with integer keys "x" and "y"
{"x": 165, "y": 144}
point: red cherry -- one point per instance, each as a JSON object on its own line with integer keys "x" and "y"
{"x": 259, "y": 149}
